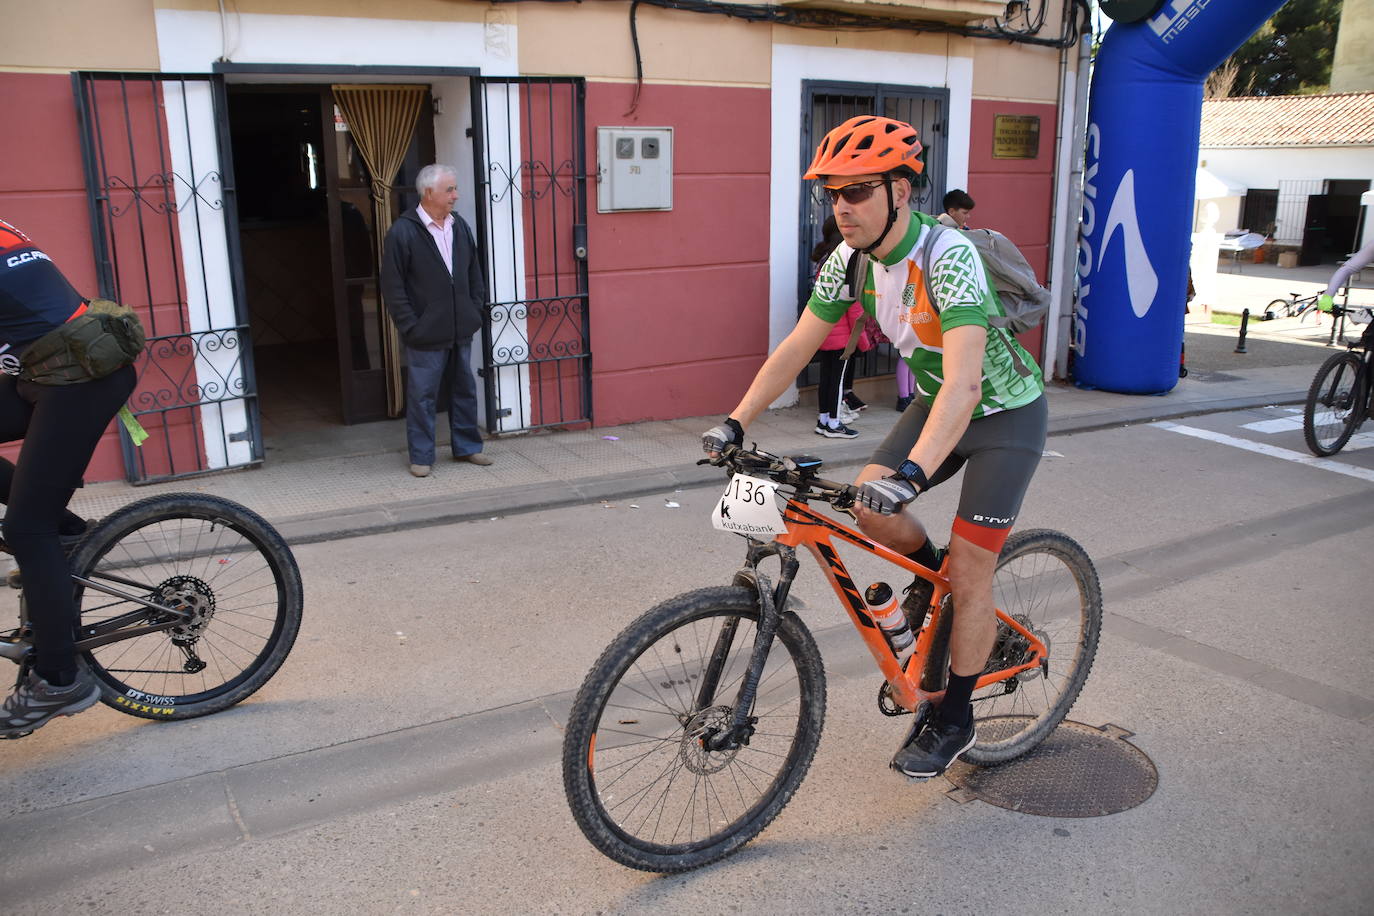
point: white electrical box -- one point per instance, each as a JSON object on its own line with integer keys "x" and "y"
{"x": 634, "y": 168}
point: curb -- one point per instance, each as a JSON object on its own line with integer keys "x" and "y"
{"x": 518, "y": 500}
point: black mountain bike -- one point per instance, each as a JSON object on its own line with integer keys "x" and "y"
{"x": 188, "y": 604}
{"x": 1341, "y": 398}
{"x": 1295, "y": 306}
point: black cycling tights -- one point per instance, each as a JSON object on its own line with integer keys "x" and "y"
{"x": 61, "y": 426}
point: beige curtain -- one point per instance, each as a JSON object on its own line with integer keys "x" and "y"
{"x": 382, "y": 120}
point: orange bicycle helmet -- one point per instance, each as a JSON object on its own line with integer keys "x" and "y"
{"x": 867, "y": 145}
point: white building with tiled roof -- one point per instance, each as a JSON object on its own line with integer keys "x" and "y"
{"x": 1294, "y": 168}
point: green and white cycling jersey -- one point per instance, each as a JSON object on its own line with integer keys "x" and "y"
{"x": 894, "y": 292}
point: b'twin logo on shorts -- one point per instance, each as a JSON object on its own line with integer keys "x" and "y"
{"x": 993, "y": 521}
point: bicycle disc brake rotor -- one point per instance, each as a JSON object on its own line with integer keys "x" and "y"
{"x": 694, "y": 753}
{"x": 189, "y": 595}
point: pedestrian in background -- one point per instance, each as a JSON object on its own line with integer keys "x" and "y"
{"x": 958, "y": 208}
{"x": 433, "y": 288}
{"x": 832, "y": 388}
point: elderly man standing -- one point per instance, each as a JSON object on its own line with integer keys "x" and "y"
{"x": 432, "y": 285}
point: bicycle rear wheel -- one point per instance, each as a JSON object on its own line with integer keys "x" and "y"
{"x": 1335, "y": 404}
{"x": 1047, "y": 583}
{"x": 221, "y": 561}
{"x": 639, "y": 780}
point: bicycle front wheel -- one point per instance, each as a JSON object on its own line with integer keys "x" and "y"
{"x": 1047, "y": 583}
{"x": 1335, "y": 402}
{"x": 641, "y": 781}
{"x": 214, "y": 558}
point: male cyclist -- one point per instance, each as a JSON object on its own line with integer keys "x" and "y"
{"x": 979, "y": 404}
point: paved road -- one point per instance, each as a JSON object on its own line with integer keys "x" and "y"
{"x": 405, "y": 759}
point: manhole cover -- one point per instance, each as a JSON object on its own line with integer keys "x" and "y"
{"x": 1078, "y": 771}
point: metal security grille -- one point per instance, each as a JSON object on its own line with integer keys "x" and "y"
{"x": 532, "y": 224}
{"x": 828, "y": 105}
{"x": 161, "y": 193}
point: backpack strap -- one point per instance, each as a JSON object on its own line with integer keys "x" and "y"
{"x": 855, "y": 272}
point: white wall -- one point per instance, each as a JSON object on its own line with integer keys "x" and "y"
{"x": 192, "y": 42}
{"x": 791, "y": 65}
{"x": 1267, "y": 167}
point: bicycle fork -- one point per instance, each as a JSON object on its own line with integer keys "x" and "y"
{"x": 771, "y": 601}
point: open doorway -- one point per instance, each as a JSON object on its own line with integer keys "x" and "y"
{"x": 306, "y": 226}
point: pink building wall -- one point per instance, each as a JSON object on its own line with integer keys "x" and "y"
{"x": 679, "y": 298}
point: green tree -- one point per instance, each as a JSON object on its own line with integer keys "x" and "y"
{"x": 1290, "y": 54}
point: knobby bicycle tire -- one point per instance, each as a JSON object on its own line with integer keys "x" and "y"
{"x": 640, "y": 783}
{"x": 1047, "y": 582}
{"x": 198, "y": 551}
{"x": 1335, "y": 404}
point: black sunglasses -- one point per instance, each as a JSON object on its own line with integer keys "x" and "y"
{"x": 855, "y": 193}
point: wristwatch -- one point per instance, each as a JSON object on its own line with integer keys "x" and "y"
{"x": 911, "y": 471}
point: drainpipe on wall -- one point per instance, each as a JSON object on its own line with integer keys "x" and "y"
{"x": 1068, "y": 225}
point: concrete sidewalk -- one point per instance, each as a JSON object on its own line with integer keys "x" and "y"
{"x": 326, "y": 498}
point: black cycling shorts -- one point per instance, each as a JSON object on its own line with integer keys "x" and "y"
{"x": 1001, "y": 452}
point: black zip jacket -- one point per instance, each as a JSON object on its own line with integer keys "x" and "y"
{"x": 431, "y": 309}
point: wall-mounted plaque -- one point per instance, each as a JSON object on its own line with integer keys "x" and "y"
{"x": 1015, "y": 136}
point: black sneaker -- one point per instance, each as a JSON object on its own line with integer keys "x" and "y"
{"x": 919, "y": 592}
{"x": 917, "y": 599}
{"x": 903, "y": 403}
{"x": 854, "y": 402}
{"x": 836, "y": 432}
{"x": 930, "y": 749}
{"x": 35, "y": 702}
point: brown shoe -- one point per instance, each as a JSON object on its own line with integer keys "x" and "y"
{"x": 419, "y": 470}
{"x": 475, "y": 458}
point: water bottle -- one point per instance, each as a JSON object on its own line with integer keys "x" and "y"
{"x": 891, "y": 619}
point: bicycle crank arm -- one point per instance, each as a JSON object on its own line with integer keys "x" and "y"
{"x": 15, "y": 649}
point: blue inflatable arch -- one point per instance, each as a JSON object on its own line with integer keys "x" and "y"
{"x": 1144, "y": 120}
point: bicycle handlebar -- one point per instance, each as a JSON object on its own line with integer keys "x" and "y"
{"x": 797, "y": 472}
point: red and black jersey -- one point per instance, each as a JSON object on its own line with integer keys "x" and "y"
{"x": 34, "y": 296}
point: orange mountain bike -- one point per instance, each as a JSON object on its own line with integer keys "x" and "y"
{"x": 699, "y": 721}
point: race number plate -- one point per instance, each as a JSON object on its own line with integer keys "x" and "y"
{"x": 748, "y": 506}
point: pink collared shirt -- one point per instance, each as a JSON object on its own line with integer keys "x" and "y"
{"x": 443, "y": 235}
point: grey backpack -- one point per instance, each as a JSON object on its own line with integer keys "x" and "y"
{"x": 1024, "y": 300}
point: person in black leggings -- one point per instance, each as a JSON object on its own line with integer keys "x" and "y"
{"x": 60, "y": 426}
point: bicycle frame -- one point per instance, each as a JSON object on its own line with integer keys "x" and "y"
{"x": 806, "y": 528}
{"x": 115, "y": 629}
{"x": 815, "y": 532}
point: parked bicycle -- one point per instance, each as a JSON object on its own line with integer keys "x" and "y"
{"x": 698, "y": 723}
{"x": 1295, "y": 306}
{"x": 188, "y": 604}
{"x": 1342, "y": 394}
